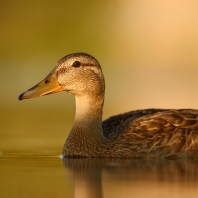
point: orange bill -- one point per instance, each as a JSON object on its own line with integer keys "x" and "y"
{"x": 49, "y": 85}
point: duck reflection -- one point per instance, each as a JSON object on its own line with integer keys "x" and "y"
{"x": 132, "y": 177}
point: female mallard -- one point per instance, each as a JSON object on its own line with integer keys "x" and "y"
{"x": 142, "y": 133}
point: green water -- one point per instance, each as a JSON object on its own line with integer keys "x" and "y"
{"x": 51, "y": 176}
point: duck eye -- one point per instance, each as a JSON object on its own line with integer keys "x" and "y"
{"x": 76, "y": 64}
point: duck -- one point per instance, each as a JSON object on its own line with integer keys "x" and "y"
{"x": 147, "y": 133}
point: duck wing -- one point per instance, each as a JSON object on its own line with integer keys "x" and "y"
{"x": 113, "y": 124}
{"x": 172, "y": 133}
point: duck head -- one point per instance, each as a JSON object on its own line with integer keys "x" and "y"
{"x": 78, "y": 73}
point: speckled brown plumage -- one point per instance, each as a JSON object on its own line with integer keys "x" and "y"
{"x": 150, "y": 133}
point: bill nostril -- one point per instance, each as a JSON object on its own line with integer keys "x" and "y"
{"x": 47, "y": 81}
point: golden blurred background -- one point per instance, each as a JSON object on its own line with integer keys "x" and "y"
{"x": 148, "y": 51}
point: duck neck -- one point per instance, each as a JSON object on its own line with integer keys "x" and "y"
{"x": 88, "y": 111}
{"x": 86, "y": 133}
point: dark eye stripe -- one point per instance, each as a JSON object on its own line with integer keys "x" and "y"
{"x": 76, "y": 64}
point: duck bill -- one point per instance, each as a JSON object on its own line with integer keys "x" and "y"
{"x": 47, "y": 86}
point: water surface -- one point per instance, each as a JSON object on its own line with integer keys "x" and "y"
{"x": 50, "y": 176}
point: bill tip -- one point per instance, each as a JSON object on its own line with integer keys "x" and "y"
{"x": 21, "y": 97}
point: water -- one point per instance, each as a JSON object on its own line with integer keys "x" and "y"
{"x": 30, "y": 166}
{"x": 50, "y": 176}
